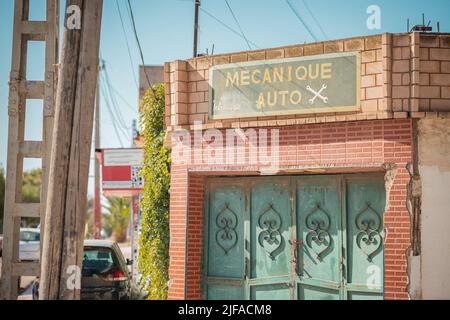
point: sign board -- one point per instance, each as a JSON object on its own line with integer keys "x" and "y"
{"x": 313, "y": 84}
{"x": 120, "y": 171}
{"x": 123, "y": 157}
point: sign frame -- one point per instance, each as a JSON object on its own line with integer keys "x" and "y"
{"x": 302, "y": 111}
{"x": 122, "y": 165}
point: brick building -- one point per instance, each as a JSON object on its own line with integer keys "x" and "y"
{"x": 347, "y": 213}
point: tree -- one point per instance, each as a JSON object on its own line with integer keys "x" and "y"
{"x": 31, "y": 186}
{"x": 119, "y": 210}
{"x": 154, "y": 237}
{"x": 31, "y": 192}
{"x": 2, "y": 197}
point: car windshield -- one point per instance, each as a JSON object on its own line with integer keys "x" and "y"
{"x": 97, "y": 260}
{"x": 28, "y": 236}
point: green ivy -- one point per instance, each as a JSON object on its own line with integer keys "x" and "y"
{"x": 154, "y": 238}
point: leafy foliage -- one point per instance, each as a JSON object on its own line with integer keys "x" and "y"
{"x": 119, "y": 210}
{"x": 154, "y": 238}
{"x": 2, "y": 197}
{"x": 31, "y": 190}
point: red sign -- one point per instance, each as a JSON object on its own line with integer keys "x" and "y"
{"x": 120, "y": 172}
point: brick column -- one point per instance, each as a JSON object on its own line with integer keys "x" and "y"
{"x": 177, "y": 223}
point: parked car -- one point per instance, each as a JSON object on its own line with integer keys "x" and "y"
{"x": 105, "y": 274}
{"x": 30, "y": 244}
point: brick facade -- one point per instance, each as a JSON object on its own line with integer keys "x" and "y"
{"x": 403, "y": 76}
{"x": 339, "y": 147}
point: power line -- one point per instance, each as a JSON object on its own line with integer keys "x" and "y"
{"x": 299, "y": 17}
{"x": 227, "y": 26}
{"x": 114, "y": 103}
{"x": 238, "y": 24}
{"x": 133, "y": 22}
{"x": 116, "y": 130}
{"x": 314, "y": 18}
{"x": 123, "y": 99}
{"x": 112, "y": 115}
{"x": 126, "y": 41}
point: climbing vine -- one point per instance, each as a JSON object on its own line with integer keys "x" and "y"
{"x": 154, "y": 237}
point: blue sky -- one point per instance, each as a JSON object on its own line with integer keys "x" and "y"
{"x": 165, "y": 29}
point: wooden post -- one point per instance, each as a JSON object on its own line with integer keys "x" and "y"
{"x": 97, "y": 204}
{"x": 71, "y": 146}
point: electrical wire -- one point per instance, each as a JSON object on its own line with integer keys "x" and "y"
{"x": 133, "y": 22}
{"x": 130, "y": 107}
{"x": 127, "y": 43}
{"x": 114, "y": 114}
{"x": 299, "y": 17}
{"x": 228, "y": 27}
{"x": 314, "y": 18}
{"x": 238, "y": 24}
{"x": 117, "y": 110}
{"x": 112, "y": 119}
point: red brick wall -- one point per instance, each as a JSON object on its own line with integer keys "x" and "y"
{"x": 343, "y": 146}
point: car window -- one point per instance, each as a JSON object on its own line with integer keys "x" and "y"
{"x": 28, "y": 236}
{"x": 97, "y": 261}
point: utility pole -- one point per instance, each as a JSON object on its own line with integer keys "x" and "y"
{"x": 97, "y": 205}
{"x": 71, "y": 148}
{"x": 197, "y": 9}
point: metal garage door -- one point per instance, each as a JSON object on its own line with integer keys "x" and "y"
{"x": 305, "y": 237}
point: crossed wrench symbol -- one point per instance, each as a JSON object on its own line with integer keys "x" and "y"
{"x": 318, "y": 94}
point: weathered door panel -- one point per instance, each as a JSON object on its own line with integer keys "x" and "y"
{"x": 225, "y": 292}
{"x": 365, "y": 206}
{"x": 271, "y": 292}
{"x": 225, "y": 240}
{"x": 306, "y": 292}
{"x": 269, "y": 237}
{"x": 306, "y": 237}
{"x": 319, "y": 258}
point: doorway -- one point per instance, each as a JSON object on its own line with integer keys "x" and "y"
{"x": 299, "y": 237}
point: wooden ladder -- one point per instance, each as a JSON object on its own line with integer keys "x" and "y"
{"x": 20, "y": 91}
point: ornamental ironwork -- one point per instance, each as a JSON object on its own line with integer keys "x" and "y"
{"x": 318, "y": 238}
{"x": 368, "y": 239}
{"x": 226, "y": 236}
{"x": 270, "y": 238}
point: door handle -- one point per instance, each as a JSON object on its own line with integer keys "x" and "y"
{"x": 245, "y": 268}
{"x": 296, "y": 243}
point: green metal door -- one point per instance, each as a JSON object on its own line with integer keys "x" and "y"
{"x": 340, "y": 237}
{"x": 306, "y": 237}
{"x": 365, "y": 205}
{"x": 270, "y": 227}
{"x": 319, "y": 240}
{"x": 224, "y": 241}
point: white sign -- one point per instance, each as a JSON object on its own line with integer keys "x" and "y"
{"x": 123, "y": 157}
{"x": 117, "y": 185}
